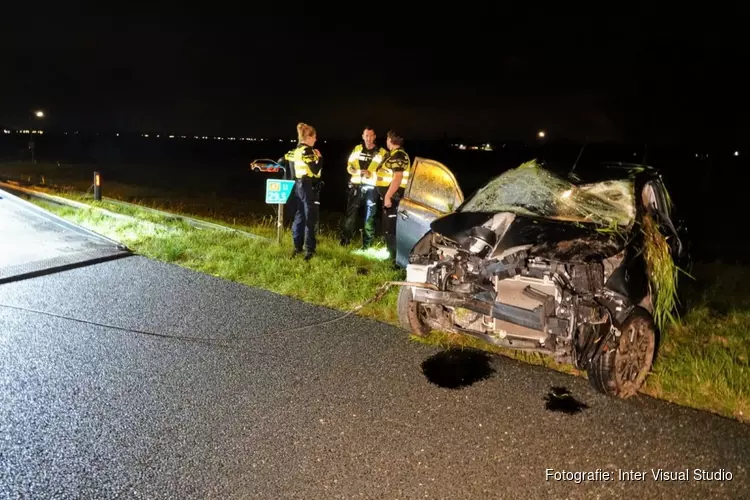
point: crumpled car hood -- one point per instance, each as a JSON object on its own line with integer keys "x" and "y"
{"x": 548, "y": 238}
{"x": 457, "y": 225}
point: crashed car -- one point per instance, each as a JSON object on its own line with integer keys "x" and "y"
{"x": 535, "y": 262}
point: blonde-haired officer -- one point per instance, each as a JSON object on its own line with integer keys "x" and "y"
{"x": 306, "y": 166}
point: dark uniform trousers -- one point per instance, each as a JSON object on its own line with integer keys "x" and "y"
{"x": 389, "y": 222}
{"x": 305, "y": 222}
{"x": 357, "y": 195}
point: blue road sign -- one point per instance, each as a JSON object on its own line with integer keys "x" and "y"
{"x": 278, "y": 191}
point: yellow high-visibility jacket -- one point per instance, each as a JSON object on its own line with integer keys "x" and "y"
{"x": 373, "y": 158}
{"x": 396, "y": 161}
{"x": 305, "y": 161}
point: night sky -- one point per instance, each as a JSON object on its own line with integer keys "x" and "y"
{"x": 619, "y": 73}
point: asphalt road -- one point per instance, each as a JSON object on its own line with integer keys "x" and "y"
{"x": 340, "y": 411}
{"x": 33, "y": 240}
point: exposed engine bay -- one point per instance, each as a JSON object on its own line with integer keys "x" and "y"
{"x": 520, "y": 296}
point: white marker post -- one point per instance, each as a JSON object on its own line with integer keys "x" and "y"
{"x": 278, "y": 192}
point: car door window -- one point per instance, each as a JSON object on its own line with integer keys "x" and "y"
{"x": 434, "y": 187}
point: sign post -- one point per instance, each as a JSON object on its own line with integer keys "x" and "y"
{"x": 278, "y": 192}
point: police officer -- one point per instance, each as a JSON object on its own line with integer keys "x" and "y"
{"x": 307, "y": 164}
{"x": 362, "y": 165}
{"x": 392, "y": 179}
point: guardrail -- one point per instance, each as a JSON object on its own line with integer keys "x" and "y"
{"x": 197, "y": 223}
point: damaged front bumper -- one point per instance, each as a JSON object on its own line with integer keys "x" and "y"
{"x": 533, "y": 319}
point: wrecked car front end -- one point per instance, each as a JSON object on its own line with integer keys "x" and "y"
{"x": 534, "y": 262}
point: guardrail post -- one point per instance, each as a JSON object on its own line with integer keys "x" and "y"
{"x": 97, "y": 186}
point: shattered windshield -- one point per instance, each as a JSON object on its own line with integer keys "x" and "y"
{"x": 533, "y": 191}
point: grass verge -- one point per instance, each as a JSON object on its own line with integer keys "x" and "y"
{"x": 336, "y": 278}
{"x": 702, "y": 362}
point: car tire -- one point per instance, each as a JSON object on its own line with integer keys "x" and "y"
{"x": 623, "y": 367}
{"x": 408, "y": 314}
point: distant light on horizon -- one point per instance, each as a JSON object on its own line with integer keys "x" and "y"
{"x": 39, "y": 114}
{"x": 736, "y": 153}
{"x": 171, "y": 137}
{"x": 541, "y": 134}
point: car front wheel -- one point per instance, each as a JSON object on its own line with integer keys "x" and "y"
{"x": 411, "y": 313}
{"x": 622, "y": 369}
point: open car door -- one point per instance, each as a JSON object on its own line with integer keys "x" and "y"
{"x": 431, "y": 193}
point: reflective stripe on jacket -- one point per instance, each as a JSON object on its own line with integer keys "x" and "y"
{"x": 353, "y": 166}
{"x": 397, "y": 161}
{"x": 303, "y": 158}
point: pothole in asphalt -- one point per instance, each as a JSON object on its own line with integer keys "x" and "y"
{"x": 456, "y": 368}
{"x": 560, "y": 399}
